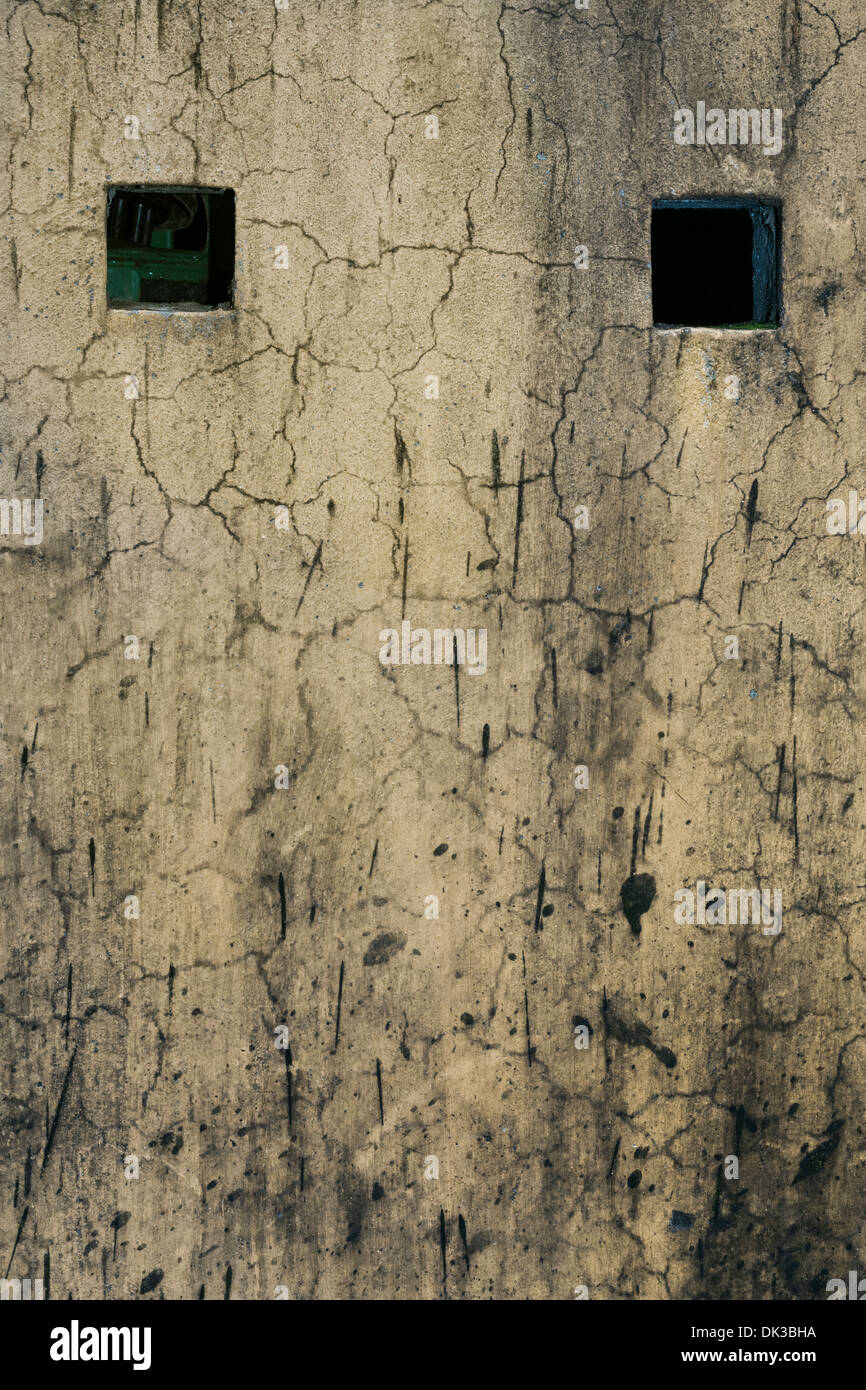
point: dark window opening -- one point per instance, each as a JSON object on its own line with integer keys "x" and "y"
{"x": 716, "y": 263}
{"x": 170, "y": 248}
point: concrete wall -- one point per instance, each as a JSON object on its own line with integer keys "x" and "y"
{"x": 412, "y": 1036}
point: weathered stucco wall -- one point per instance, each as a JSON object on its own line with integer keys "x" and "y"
{"x": 412, "y": 1036}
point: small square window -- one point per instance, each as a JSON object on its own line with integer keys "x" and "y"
{"x": 170, "y": 247}
{"x": 715, "y": 263}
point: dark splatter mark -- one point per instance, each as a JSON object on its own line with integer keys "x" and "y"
{"x": 780, "y": 754}
{"x": 49, "y": 1142}
{"x": 647, "y": 824}
{"x": 751, "y": 509}
{"x": 813, "y": 1162}
{"x": 339, "y": 1006}
{"x": 634, "y": 1035}
{"x": 539, "y": 901}
{"x": 118, "y": 1221}
{"x": 405, "y": 576}
{"x": 635, "y": 835}
{"x": 518, "y": 520}
{"x": 705, "y": 569}
{"x": 526, "y": 1013}
{"x": 681, "y": 1221}
{"x": 151, "y": 1281}
{"x": 317, "y": 560}
{"x": 24, "y": 1216}
{"x": 401, "y": 453}
{"x": 288, "y": 1058}
{"x": 443, "y": 1245}
{"x": 281, "y": 885}
{"x": 461, "y": 1227}
{"x": 826, "y": 294}
{"x": 383, "y": 947}
{"x": 637, "y": 894}
{"x": 68, "y": 1008}
{"x": 456, "y": 680}
{"x": 794, "y": 822}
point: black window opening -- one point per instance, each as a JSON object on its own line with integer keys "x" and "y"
{"x": 170, "y": 247}
{"x": 716, "y": 263}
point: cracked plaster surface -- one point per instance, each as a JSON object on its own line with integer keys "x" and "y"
{"x": 411, "y": 257}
